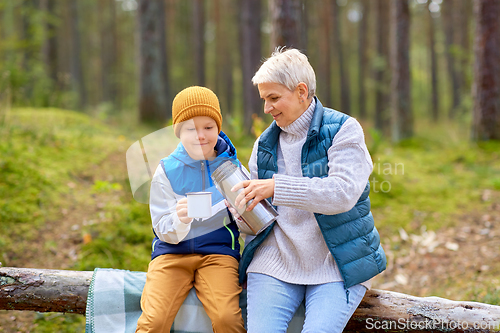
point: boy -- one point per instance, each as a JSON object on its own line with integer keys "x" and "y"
{"x": 186, "y": 252}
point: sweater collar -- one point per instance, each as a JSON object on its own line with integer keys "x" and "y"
{"x": 301, "y": 125}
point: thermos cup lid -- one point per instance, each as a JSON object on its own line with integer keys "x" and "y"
{"x": 223, "y": 171}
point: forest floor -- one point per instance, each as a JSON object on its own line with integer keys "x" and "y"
{"x": 459, "y": 263}
{"x": 98, "y": 224}
{"x": 60, "y": 243}
{"x": 450, "y": 262}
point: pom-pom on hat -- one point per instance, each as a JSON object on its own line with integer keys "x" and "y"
{"x": 192, "y": 102}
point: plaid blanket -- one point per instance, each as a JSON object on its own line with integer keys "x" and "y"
{"x": 113, "y": 306}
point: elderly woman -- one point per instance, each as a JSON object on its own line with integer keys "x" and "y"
{"x": 313, "y": 164}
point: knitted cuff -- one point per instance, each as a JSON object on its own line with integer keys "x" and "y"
{"x": 290, "y": 191}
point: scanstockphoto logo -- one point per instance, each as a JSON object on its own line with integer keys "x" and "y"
{"x": 380, "y": 171}
{"x": 430, "y": 324}
{"x": 383, "y": 170}
{"x": 144, "y": 156}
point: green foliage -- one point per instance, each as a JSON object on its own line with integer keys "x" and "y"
{"x": 58, "y": 322}
{"x": 104, "y": 186}
{"x": 42, "y": 152}
{"x": 39, "y": 151}
{"x": 124, "y": 243}
{"x": 488, "y": 295}
{"x": 430, "y": 179}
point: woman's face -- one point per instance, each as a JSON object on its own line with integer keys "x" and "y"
{"x": 284, "y": 105}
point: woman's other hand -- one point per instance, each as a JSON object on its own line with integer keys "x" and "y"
{"x": 182, "y": 211}
{"x": 256, "y": 189}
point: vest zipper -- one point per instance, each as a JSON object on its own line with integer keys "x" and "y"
{"x": 203, "y": 175}
{"x": 209, "y": 173}
{"x": 202, "y": 165}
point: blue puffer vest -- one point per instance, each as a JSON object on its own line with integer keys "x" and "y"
{"x": 351, "y": 236}
{"x": 216, "y": 235}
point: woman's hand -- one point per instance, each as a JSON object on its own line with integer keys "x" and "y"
{"x": 256, "y": 189}
{"x": 182, "y": 211}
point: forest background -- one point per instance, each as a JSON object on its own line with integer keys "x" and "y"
{"x": 80, "y": 81}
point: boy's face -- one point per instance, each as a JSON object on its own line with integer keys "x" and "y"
{"x": 199, "y": 136}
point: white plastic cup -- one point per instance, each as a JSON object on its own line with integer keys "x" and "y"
{"x": 199, "y": 204}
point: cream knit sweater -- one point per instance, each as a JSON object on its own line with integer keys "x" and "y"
{"x": 295, "y": 251}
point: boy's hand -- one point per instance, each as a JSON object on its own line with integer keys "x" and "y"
{"x": 182, "y": 211}
{"x": 233, "y": 210}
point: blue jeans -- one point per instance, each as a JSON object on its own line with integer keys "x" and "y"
{"x": 271, "y": 304}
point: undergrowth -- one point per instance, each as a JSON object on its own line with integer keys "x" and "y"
{"x": 431, "y": 178}
{"x": 40, "y": 151}
{"x": 428, "y": 180}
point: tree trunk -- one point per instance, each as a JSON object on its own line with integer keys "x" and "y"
{"x": 50, "y": 45}
{"x": 223, "y": 59}
{"x": 285, "y": 19}
{"x": 434, "y": 82}
{"x": 462, "y": 21}
{"x": 381, "y": 66}
{"x": 153, "y": 82}
{"x": 77, "y": 79}
{"x": 380, "y": 311}
{"x": 27, "y": 36}
{"x": 345, "y": 91}
{"x": 7, "y": 29}
{"x": 304, "y": 23}
{"x": 362, "y": 58}
{"x": 402, "y": 118}
{"x": 486, "y": 86}
{"x": 199, "y": 41}
{"x": 251, "y": 53}
{"x": 108, "y": 50}
{"x": 447, "y": 12}
{"x": 324, "y": 75}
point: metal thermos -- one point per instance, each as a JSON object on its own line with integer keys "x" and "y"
{"x": 252, "y": 222}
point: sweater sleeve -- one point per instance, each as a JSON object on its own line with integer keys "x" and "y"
{"x": 162, "y": 205}
{"x": 350, "y": 166}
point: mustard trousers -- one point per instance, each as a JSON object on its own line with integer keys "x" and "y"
{"x": 171, "y": 276}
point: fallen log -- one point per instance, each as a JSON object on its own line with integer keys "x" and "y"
{"x": 44, "y": 290}
{"x": 388, "y": 311}
{"x": 380, "y": 311}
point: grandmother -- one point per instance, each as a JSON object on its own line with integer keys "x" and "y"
{"x": 313, "y": 165}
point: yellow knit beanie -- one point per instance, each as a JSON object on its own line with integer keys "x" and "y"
{"x": 192, "y": 102}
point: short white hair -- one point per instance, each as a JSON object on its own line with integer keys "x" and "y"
{"x": 289, "y": 68}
